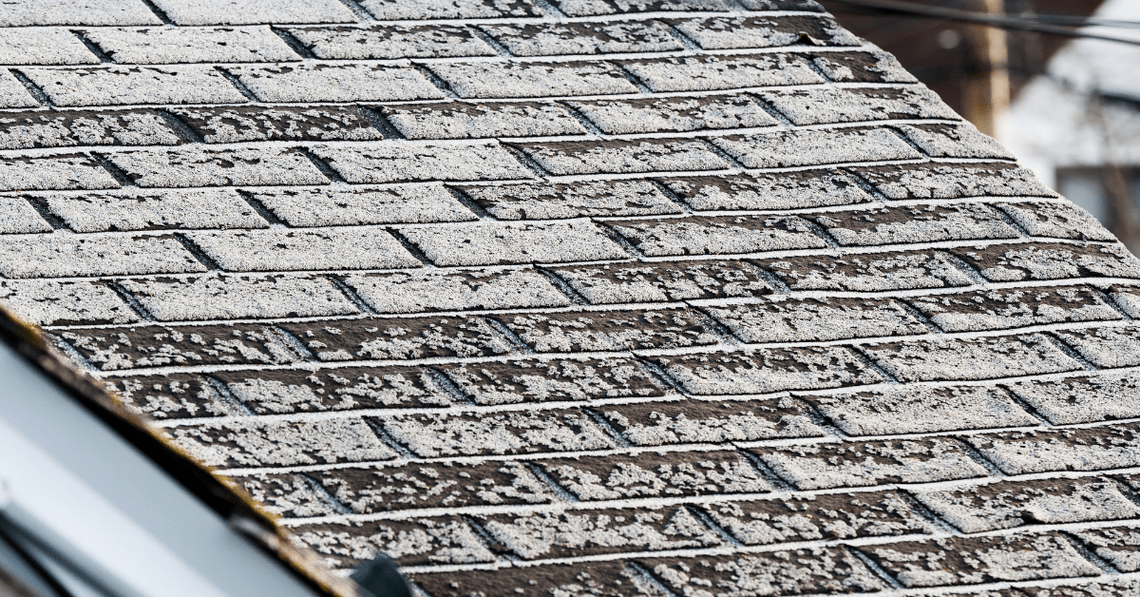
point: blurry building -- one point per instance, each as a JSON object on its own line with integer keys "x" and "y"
{"x": 1070, "y": 109}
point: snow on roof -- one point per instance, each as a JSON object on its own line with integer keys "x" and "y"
{"x": 579, "y": 297}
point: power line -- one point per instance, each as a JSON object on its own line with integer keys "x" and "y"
{"x": 1035, "y": 24}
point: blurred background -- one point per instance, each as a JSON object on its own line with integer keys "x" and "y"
{"x": 1042, "y": 80}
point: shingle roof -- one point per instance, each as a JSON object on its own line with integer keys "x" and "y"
{"x": 579, "y": 297}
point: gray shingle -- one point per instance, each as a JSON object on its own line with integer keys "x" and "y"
{"x": 825, "y": 570}
{"x": 252, "y": 12}
{"x": 556, "y": 201}
{"x": 835, "y": 104}
{"x": 1050, "y": 261}
{"x": 815, "y": 147}
{"x": 495, "y": 243}
{"x": 449, "y": 9}
{"x": 508, "y": 432}
{"x": 921, "y": 410}
{"x": 862, "y": 67}
{"x": 171, "y": 396}
{"x": 718, "y": 235}
{"x": 532, "y": 79}
{"x": 117, "y": 349}
{"x": 481, "y": 120}
{"x": 398, "y": 162}
{"x": 618, "y": 157}
{"x": 855, "y": 464}
{"x": 699, "y": 421}
{"x": 981, "y": 559}
{"x": 22, "y": 13}
{"x": 42, "y": 46}
{"x": 450, "y": 290}
{"x": 278, "y": 249}
{"x": 952, "y": 181}
{"x": 863, "y": 514}
{"x": 709, "y": 73}
{"x": 1056, "y": 220}
{"x": 13, "y": 94}
{"x": 1107, "y": 346}
{"x": 238, "y": 297}
{"x": 438, "y": 540}
{"x": 20, "y": 217}
{"x": 768, "y": 370}
{"x": 1101, "y": 397}
{"x": 734, "y": 33}
{"x": 173, "y": 45}
{"x": 560, "y": 534}
{"x": 954, "y": 141}
{"x": 63, "y": 254}
{"x": 321, "y": 82}
{"x": 558, "y": 379}
{"x": 979, "y": 508}
{"x": 663, "y": 281}
{"x": 655, "y": 474}
{"x": 400, "y": 339}
{"x": 52, "y": 302}
{"x": 195, "y": 167}
{"x": 254, "y": 443}
{"x": 390, "y": 42}
{"x": 972, "y": 358}
{"x": 612, "y": 37}
{"x": 329, "y": 390}
{"x": 54, "y": 173}
{"x": 916, "y": 224}
{"x": 122, "y": 85}
{"x": 249, "y": 123}
{"x": 869, "y": 272}
{"x": 168, "y": 209}
{"x": 675, "y": 114}
{"x": 26, "y": 130}
{"x": 604, "y": 579}
{"x": 786, "y": 190}
{"x": 816, "y": 320}
{"x": 581, "y": 8}
{"x": 331, "y": 206}
{"x": 1027, "y": 452}
{"x": 999, "y": 309}
{"x": 606, "y": 331}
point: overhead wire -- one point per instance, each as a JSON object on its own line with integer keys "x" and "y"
{"x": 1039, "y": 23}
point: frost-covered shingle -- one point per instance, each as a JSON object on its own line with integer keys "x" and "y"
{"x": 1096, "y": 448}
{"x": 152, "y": 210}
{"x": 704, "y": 422}
{"x": 561, "y": 39}
{"x": 278, "y": 249}
{"x": 249, "y": 123}
{"x": 572, "y": 379}
{"x": 1100, "y": 397}
{"x": 718, "y": 235}
{"x": 498, "y": 243}
{"x": 619, "y": 117}
{"x": 532, "y": 79}
{"x": 655, "y": 474}
{"x": 333, "y": 206}
{"x": 817, "y": 319}
{"x": 828, "y": 465}
{"x": 238, "y": 297}
{"x": 786, "y": 190}
{"x": 54, "y": 302}
{"x": 615, "y": 283}
{"x": 399, "y": 339}
{"x": 390, "y": 42}
{"x": 799, "y": 147}
{"x": 509, "y": 432}
{"x": 731, "y": 33}
{"x": 769, "y": 370}
{"x": 174, "y": 45}
{"x": 334, "y": 83}
{"x": 436, "y": 540}
{"x": 710, "y": 73}
{"x": 123, "y": 85}
{"x": 589, "y": 331}
{"x": 482, "y": 120}
{"x": 455, "y": 290}
{"x": 114, "y": 349}
{"x": 26, "y": 130}
{"x": 339, "y": 389}
{"x": 583, "y": 199}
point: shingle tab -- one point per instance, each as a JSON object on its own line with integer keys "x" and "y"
{"x": 735, "y": 33}
{"x": 663, "y": 281}
{"x": 675, "y": 114}
{"x": 452, "y": 290}
{"x": 921, "y": 410}
{"x": 830, "y": 104}
{"x": 1083, "y": 399}
{"x": 390, "y": 42}
{"x": 767, "y": 371}
{"x": 115, "y": 349}
{"x": 52, "y": 302}
{"x": 195, "y": 167}
{"x": 786, "y": 190}
{"x": 238, "y": 297}
{"x": 696, "y": 421}
{"x": 909, "y": 225}
{"x": 42, "y": 46}
{"x": 495, "y": 243}
{"x": 552, "y": 380}
{"x": 378, "y": 163}
{"x": 309, "y": 249}
{"x": 334, "y": 83}
{"x": 400, "y": 339}
{"x": 532, "y": 79}
{"x": 511, "y": 432}
{"x": 124, "y": 85}
{"x": 561, "y": 39}
{"x": 253, "y": 443}
{"x": 482, "y": 120}
{"x": 167, "y": 209}
{"x": 710, "y": 73}
{"x": 589, "y": 331}
{"x": 1026, "y": 452}
{"x": 952, "y": 181}
{"x": 170, "y": 45}
{"x": 999, "y": 309}
{"x": 22, "y": 13}
{"x": 26, "y": 130}
{"x": 619, "y": 157}
{"x": 803, "y": 571}
{"x": 828, "y": 465}
{"x": 251, "y": 12}
{"x": 817, "y": 319}
{"x": 449, "y": 9}
{"x": 869, "y": 272}
{"x": 718, "y": 235}
{"x": 582, "y": 199}
{"x": 832, "y": 517}
{"x": 171, "y": 396}
{"x": 815, "y": 147}
{"x": 580, "y": 8}
{"x": 655, "y": 474}
{"x": 239, "y": 124}
{"x": 63, "y": 254}
{"x": 1050, "y": 261}
{"x": 331, "y": 206}
{"x": 972, "y": 358}
{"x": 438, "y": 540}
{"x": 343, "y": 388}
{"x": 54, "y": 173}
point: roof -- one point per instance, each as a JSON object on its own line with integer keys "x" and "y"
{"x": 579, "y": 297}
